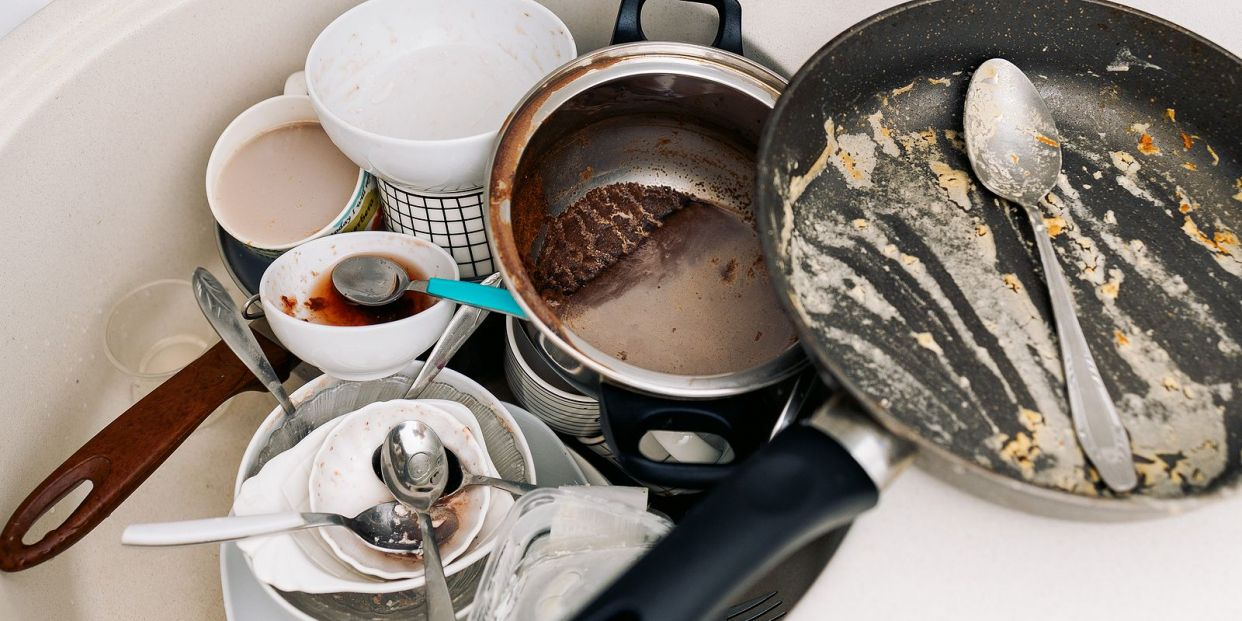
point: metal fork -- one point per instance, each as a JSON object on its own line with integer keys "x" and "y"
{"x": 766, "y": 607}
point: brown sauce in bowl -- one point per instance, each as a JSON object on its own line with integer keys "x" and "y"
{"x": 326, "y": 306}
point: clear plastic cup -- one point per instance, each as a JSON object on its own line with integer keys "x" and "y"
{"x": 154, "y": 331}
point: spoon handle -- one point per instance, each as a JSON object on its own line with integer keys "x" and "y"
{"x": 513, "y": 487}
{"x": 215, "y": 530}
{"x": 125, "y": 453}
{"x": 1100, "y": 432}
{"x": 218, "y": 306}
{"x": 497, "y": 299}
{"x": 464, "y": 323}
{"x": 439, "y": 600}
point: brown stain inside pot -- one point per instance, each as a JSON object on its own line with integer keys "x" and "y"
{"x": 694, "y": 298}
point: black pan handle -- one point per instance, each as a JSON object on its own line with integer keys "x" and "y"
{"x": 800, "y": 486}
{"x": 629, "y": 28}
{"x": 744, "y": 421}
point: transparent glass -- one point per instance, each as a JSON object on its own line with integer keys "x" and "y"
{"x": 153, "y": 332}
{"x": 558, "y": 548}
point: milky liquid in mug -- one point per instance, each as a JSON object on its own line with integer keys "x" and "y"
{"x": 284, "y": 185}
{"x": 441, "y": 92}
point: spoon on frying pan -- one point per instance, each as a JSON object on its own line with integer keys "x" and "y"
{"x": 375, "y": 281}
{"x": 1015, "y": 150}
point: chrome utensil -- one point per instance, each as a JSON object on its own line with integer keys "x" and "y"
{"x": 1014, "y": 148}
{"x": 374, "y": 281}
{"x": 467, "y": 479}
{"x": 513, "y": 487}
{"x": 464, "y": 323}
{"x": 218, "y": 306}
{"x": 415, "y": 469}
{"x": 388, "y": 527}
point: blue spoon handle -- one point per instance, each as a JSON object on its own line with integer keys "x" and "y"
{"x": 496, "y": 299}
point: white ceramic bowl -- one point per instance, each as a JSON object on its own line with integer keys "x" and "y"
{"x": 343, "y": 481}
{"x": 356, "y": 54}
{"x": 354, "y": 352}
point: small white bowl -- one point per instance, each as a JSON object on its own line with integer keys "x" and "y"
{"x": 355, "y": 353}
{"x": 343, "y": 481}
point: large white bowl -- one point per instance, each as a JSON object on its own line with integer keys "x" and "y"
{"x": 358, "y": 44}
{"x": 355, "y": 353}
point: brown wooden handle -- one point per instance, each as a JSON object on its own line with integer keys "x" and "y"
{"x": 121, "y": 456}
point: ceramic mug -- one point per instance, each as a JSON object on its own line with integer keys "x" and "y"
{"x": 415, "y": 92}
{"x": 294, "y": 106}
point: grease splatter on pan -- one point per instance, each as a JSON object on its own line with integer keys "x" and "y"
{"x": 926, "y": 291}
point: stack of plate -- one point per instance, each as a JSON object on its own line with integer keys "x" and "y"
{"x": 310, "y": 579}
{"x": 543, "y": 392}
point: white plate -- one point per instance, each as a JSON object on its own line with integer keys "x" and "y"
{"x": 246, "y": 600}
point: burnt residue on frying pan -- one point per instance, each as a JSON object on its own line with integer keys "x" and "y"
{"x": 922, "y": 290}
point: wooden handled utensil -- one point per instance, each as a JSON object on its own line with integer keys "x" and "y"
{"x": 121, "y": 456}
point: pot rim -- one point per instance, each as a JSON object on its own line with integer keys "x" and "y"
{"x": 545, "y": 98}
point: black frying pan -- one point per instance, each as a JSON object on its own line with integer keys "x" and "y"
{"x": 920, "y": 292}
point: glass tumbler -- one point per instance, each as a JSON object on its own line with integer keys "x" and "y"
{"x": 154, "y": 331}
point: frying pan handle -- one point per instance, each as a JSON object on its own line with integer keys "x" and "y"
{"x": 629, "y": 27}
{"x": 799, "y": 487}
{"x": 119, "y": 458}
{"x": 627, "y": 416}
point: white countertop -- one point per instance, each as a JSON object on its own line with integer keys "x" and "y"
{"x": 928, "y": 551}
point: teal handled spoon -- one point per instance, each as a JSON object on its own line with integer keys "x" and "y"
{"x": 374, "y": 281}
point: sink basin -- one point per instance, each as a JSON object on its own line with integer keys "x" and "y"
{"x": 108, "y": 111}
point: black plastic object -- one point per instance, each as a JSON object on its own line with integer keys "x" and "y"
{"x": 802, "y": 485}
{"x": 629, "y": 28}
{"x": 744, "y": 421}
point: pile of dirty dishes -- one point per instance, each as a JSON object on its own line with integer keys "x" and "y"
{"x": 327, "y": 572}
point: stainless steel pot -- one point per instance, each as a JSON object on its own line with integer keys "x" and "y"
{"x": 673, "y": 114}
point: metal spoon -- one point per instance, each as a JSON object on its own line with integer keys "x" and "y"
{"x": 374, "y": 281}
{"x": 1015, "y": 150}
{"x": 415, "y": 470}
{"x": 465, "y": 479}
{"x": 464, "y": 323}
{"x": 225, "y": 318}
{"x": 217, "y": 305}
{"x": 388, "y": 527}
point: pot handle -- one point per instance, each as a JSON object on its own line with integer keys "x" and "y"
{"x": 800, "y": 486}
{"x": 629, "y": 27}
{"x": 121, "y": 456}
{"x": 627, "y": 416}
